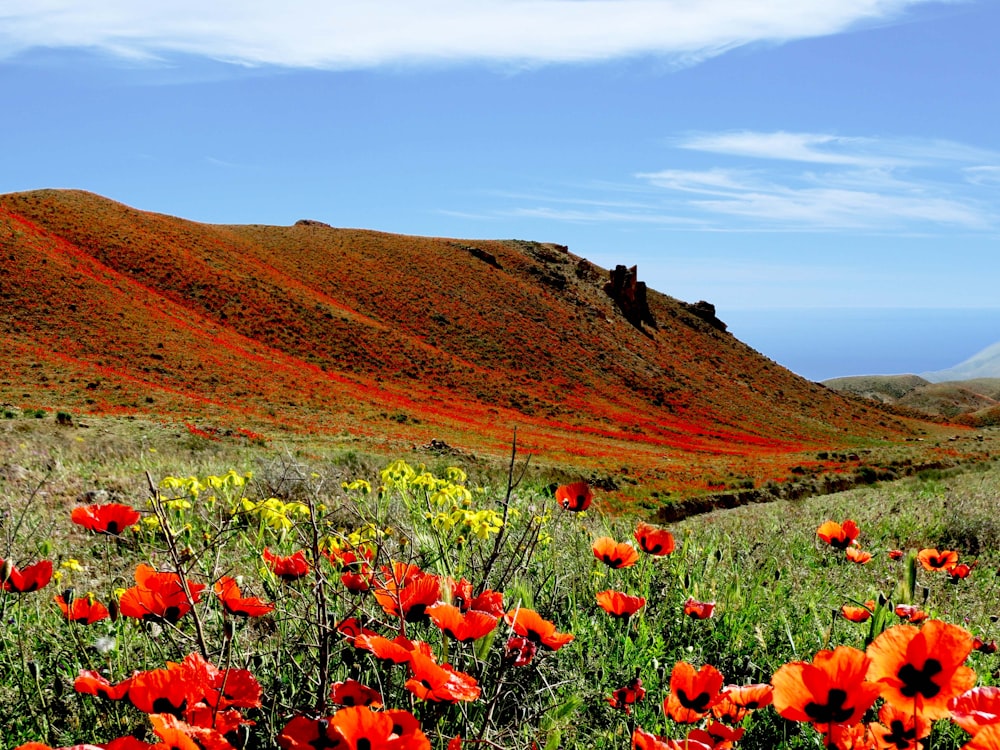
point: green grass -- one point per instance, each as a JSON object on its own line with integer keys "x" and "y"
{"x": 777, "y": 588}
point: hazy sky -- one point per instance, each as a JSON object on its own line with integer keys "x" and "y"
{"x": 767, "y": 154}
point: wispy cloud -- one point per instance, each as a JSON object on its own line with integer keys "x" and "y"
{"x": 342, "y": 34}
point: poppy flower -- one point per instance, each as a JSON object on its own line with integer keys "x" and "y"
{"x": 89, "y": 682}
{"x": 838, "y": 536}
{"x": 932, "y": 559}
{"x": 468, "y": 626}
{"x": 692, "y": 692}
{"x": 303, "y": 733}
{"x": 575, "y": 497}
{"x": 351, "y": 628}
{"x": 626, "y": 696}
{"x": 830, "y": 690}
{"x": 983, "y": 647}
{"x": 910, "y": 613}
{"x": 529, "y": 624}
{"x": 898, "y": 730}
{"x": 30, "y": 578}
{"x": 615, "y": 554}
{"x": 164, "y": 691}
{"x": 110, "y": 518}
{"x": 858, "y": 614}
{"x": 356, "y": 582}
{"x": 750, "y": 697}
{"x": 179, "y": 735}
{"x": 353, "y": 693}
{"x": 411, "y": 600}
{"x": 976, "y": 708}
{"x": 397, "y": 650}
{"x": 287, "y": 567}
{"x": 654, "y": 541}
{"x": 85, "y": 610}
{"x": 961, "y": 571}
{"x": 857, "y": 555}
{"x": 987, "y": 738}
{"x": 519, "y": 651}
{"x": 727, "y": 711}
{"x": 643, "y": 740}
{"x": 920, "y": 670}
{"x": 489, "y": 601}
{"x": 348, "y": 558}
{"x": 698, "y": 610}
{"x": 360, "y": 728}
{"x": 158, "y": 597}
{"x": 895, "y": 554}
{"x": 439, "y": 682}
{"x": 228, "y": 592}
{"x": 617, "y": 604}
{"x": 721, "y": 736}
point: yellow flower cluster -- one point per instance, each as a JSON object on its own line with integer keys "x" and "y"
{"x": 273, "y": 513}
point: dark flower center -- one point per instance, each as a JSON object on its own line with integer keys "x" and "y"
{"x": 699, "y": 703}
{"x": 899, "y": 735}
{"x": 652, "y": 549}
{"x": 833, "y": 711}
{"x": 918, "y": 681}
{"x": 112, "y": 527}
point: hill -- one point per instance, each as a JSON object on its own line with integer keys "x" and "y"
{"x": 984, "y": 364}
{"x": 974, "y": 402}
{"x": 396, "y": 341}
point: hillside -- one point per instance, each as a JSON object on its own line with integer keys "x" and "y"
{"x": 974, "y": 402}
{"x": 983, "y": 364}
{"x": 395, "y": 341}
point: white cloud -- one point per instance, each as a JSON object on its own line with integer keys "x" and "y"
{"x": 342, "y": 34}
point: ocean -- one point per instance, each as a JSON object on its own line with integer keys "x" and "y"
{"x": 822, "y": 343}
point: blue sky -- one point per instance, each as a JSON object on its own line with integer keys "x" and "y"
{"x": 779, "y": 159}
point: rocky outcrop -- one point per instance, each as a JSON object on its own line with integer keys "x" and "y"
{"x": 705, "y": 311}
{"x": 312, "y": 223}
{"x": 629, "y": 294}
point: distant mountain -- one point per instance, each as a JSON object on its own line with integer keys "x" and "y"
{"x": 984, "y": 364}
{"x": 395, "y": 341}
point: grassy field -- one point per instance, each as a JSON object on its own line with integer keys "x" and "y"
{"x": 211, "y": 505}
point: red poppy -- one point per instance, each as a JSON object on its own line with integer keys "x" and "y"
{"x": 987, "y": 738}
{"x": 643, "y": 740}
{"x": 576, "y": 496}
{"x": 228, "y": 592}
{"x": 857, "y": 555}
{"x": 898, "y": 730}
{"x": 439, "y": 682}
{"x": 351, "y": 629}
{"x": 85, "y": 610}
{"x": 356, "y": 582}
{"x": 158, "y": 597}
{"x": 698, "y": 610}
{"x": 519, "y": 651}
{"x": 111, "y": 518}
{"x": 179, "y": 735}
{"x": 348, "y": 558}
{"x": 983, "y": 647}
{"x": 617, "y": 604}
{"x": 726, "y": 710}
{"x": 397, "y": 650}
{"x": 857, "y": 614}
{"x": 838, "y": 536}
{"x": 750, "y": 697}
{"x": 531, "y": 625}
{"x": 692, "y": 692}
{"x": 626, "y": 696}
{"x": 920, "y": 670}
{"x": 90, "y": 682}
{"x": 962, "y": 571}
{"x": 303, "y": 733}
{"x": 457, "y": 592}
{"x": 411, "y": 600}
{"x": 910, "y": 613}
{"x": 615, "y": 554}
{"x": 719, "y": 735}
{"x": 976, "y": 708}
{"x": 224, "y": 722}
{"x": 361, "y": 728}
{"x": 30, "y": 578}
{"x": 933, "y": 559}
{"x": 895, "y": 554}
{"x": 353, "y": 693}
{"x": 462, "y": 627}
{"x": 287, "y": 567}
{"x": 654, "y": 541}
{"x": 830, "y": 690}
{"x": 159, "y": 691}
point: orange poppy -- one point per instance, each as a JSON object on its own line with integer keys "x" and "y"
{"x": 698, "y": 610}
{"x": 987, "y": 738}
{"x": 857, "y": 614}
{"x": 469, "y": 626}
{"x": 962, "y": 571}
{"x": 857, "y": 555}
{"x": 529, "y": 624}
{"x": 576, "y": 496}
{"x": 228, "y": 592}
{"x": 303, "y": 733}
{"x": 164, "y": 691}
{"x": 489, "y": 601}
{"x": 353, "y": 693}
{"x": 976, "y": 708}
{"x": 28, "y": 579}
{"x": 626, "y": 696}
{"x": 111, "y": 518}
{"x": 85, "y": 610}
{"x": 727, "y": 711}
{"x": 830, "y": 690}
{"x": 351, "y": 629}
{"x": 287, "y": 567}
{"x": 89, "y": 682}
{"x": 411, "y": 600}
{"x": 838, "y": 536}
{"x": 693, "y": 692}
{"x": 898, "y": 730}
{"x": 397, "y": 650}
{"x": 719, "y": 735}
{"x": 910, "y": 613}
{"x": 615, "y": 554}
{"x": 158, "y": 597}
{"x": 750, "y": 697}
{"x": 617, "y": 604}
{"x": 895, "y": 554}
{"x": 920, "y": 670}
{"x": 179, "y": 735}
{"x": 439, "y": 682}
{"x": 933, "y": 559}
{"x": 643, "y": 740}
{"x": 654, "y": 541}
{"x": 361, "y": 728}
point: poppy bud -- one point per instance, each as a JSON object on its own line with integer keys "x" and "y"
{"x": 113, "y": 610}
{"x": 228, "y": 629}
{"x": 926, "y": 593}
{"x": 67, "y": 596}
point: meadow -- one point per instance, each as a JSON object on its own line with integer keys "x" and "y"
{"x": 170, "y": 589}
